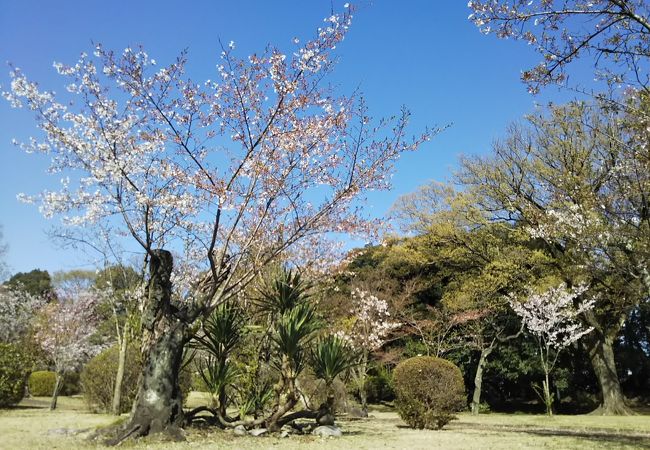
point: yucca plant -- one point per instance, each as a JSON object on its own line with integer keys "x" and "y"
{"x": 293, "y": 332}
{"x": 330, "y": 357}
{"x": 283, "y": 293}
{"x": 220, "y": 334}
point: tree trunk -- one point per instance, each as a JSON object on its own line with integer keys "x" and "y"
{"x": 57, "y": 388}
{"x": 158, "y": 403}
{"x": 478, "y": 379}
{"x": 121, "y": 362}
{"x": 361, "y": 381}
{"x": 601, "y": 354}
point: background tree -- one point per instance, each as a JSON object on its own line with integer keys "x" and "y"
{"x": 552, "y": 318}
{"x": 230, "y": 174}
{"x": 563, "y": 178}
{"x": 615, "y": 34}
{"x": 36, "y": 282}
{"x": 65, "y": 334}
{"x": 18, "y": 309}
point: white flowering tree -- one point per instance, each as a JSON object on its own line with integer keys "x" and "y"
{"x": 368, "y": 330}
{"x": 552, "y": 317}
{"x": 229, "y": 174}
{"x": 17, "y": 312}
{"x": 65, "y": 331}
{"x": 615, "y": 33}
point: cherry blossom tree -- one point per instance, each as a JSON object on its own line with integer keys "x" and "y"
{"x": 552, "y": 318}
{"x": 65, "y": 332}
{"x": 370, "y": 327}
{"x": 615, "y": 33}
{"x": 228, "y": 174}
{"x": 17, "y": 312}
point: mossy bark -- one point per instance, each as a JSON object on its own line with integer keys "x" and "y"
{"x": 158, "y": 404}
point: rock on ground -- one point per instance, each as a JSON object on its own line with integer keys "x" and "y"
{"x": 327, "y": 431}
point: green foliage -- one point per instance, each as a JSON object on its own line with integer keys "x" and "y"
{"x": 330, "y": 357}
{"x": 379, "y": 384}
{"x": 14, "y": 367}
{"x": 294, "y": 330}
{"x": 41, "y": 383}
{"x": 283, "y": 293}
{"x": 98, "y": 379}
{"x": 428, "y": 391}
{"x": 37, "y": 282}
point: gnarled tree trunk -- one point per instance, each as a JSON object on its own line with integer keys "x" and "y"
{"x": 601, "y": 354}
{"x": 158, "y": 407}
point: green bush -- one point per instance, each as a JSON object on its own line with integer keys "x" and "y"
{"x": 379, "y": 384}
{"x": 98, "y": 379}
{"x": 41, "y": 383}
{"x": 14, "y": 368}
{"x": 428, "y": 391}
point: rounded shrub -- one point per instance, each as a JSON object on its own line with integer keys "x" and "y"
{"x": 41, "y": 383}
{"x": 14, "y": 368}
{"x": 98, "y": 379}
{"x": 428, "y": 391}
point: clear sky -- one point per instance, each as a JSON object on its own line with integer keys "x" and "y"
{"x": 424, "y": 54}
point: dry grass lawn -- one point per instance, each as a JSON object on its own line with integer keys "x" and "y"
{"x": 32, "y": 426}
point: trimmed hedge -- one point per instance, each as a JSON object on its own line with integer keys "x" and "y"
{"x": 14, "y": 368}
{"x": 41, "y": 383}
{"x": 428, "y": 391}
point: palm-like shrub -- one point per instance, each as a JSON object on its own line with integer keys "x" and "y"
{"x": 283, "y": 293}
{"x": 293, "y": 332}
{"x": 428, "y": 391}
{"x": 221, "y": 333}
{"x": 330, "y": 357}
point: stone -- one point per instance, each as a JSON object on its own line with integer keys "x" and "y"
{"x": 357, "y": 413}
{"x": 327, "y": 431}
{"x": 239, "y": 430}
{"x": 258, "y": 431}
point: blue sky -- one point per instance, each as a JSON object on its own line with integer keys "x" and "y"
{"x": 424, "y": 54}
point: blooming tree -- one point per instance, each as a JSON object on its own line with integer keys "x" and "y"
{"x": 371, "y": 325}
{"x": 228, "y": 173}
{"x": 552, "y": 318}
{"x": 616, "y": 33}
{"x": 65, "y": 334}
{"x": 17, "y": 311}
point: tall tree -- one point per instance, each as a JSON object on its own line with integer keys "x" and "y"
{"x": 571, "y": 178}
{"x": 228, "y": 173}
{"x": 36, "y": 282}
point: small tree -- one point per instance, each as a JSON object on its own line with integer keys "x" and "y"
{"x": 65, "y": 334}
{"x": 552, "y": 318}
{"x": 370, "y": 327}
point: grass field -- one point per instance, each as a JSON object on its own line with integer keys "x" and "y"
{"x": 33, "y": 426}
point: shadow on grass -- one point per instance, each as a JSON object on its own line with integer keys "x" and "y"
{"x": 639, "y": 440}
{"x": 613, "y": 438}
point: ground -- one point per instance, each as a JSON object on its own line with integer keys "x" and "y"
{"x": 33, "y": 426}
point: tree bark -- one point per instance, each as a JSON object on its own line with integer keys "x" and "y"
{"x": 57, "y": 388}
{"x": 478, "y": 379}
{"x": 121, "y": 362}
{"x": 601, "y": 354}
{"x": 158, "y": 404}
